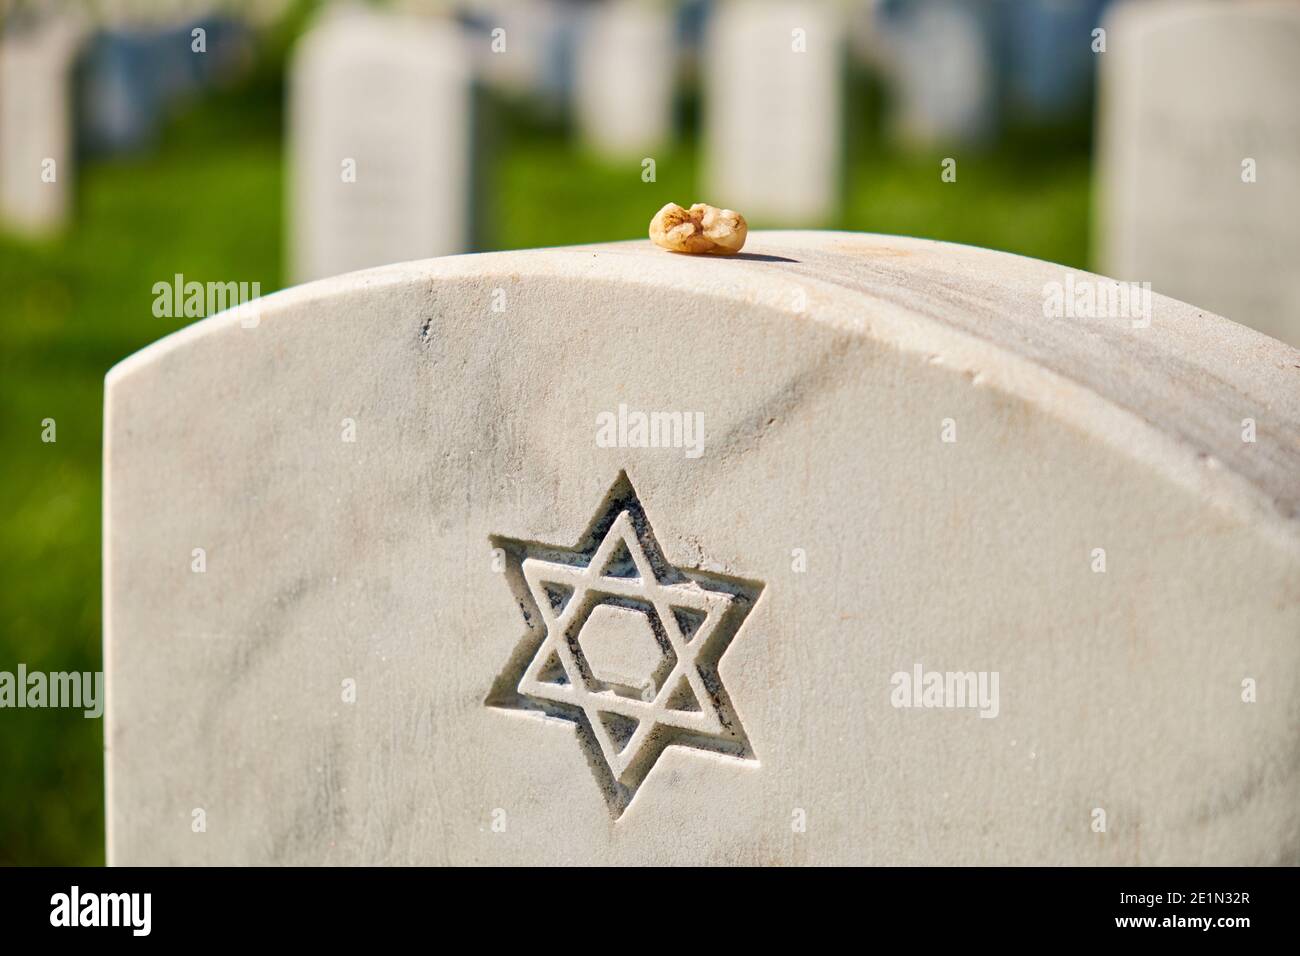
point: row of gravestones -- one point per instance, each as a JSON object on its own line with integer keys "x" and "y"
{"x": 1199, "y": 134}
{"x": 370, "y": 186}
{"x": 1199, "y": 153}
{"x": 846, "y": 551}
{"x": 71, "y": 88}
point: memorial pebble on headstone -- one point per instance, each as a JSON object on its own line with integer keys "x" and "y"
{"x": 836, "y": 552}
{"x": 380, "y": 142}
{"x": 773, "y": 101}
{"x": 1198, "y": 156}
{"x": 37, "y": 155}
{"x": 625, "y": 68}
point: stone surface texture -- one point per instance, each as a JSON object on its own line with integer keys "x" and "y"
{"x": 826, "y": 539}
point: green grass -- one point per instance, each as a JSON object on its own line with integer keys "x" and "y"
{"x": 1022, "y": 199}
{"x": 207, "y": 203}
{"x": 70, "y": 309}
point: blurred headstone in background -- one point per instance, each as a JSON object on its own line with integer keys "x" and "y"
{"x": 941, "y": 70}
{"x": 119, "y": 104}
{"x": 1198, "y": 157}
{"x": 37, "y": 148}
{"x": 525, "y": 49}
{"x": 773, "y": 74}
{"x": 380, "y": 142}
{"x": 1049, "y": 59}
{"x": 140, "y": 65}
{"x": 625, "y": 69}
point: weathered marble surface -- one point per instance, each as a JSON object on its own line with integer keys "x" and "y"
{"x": 824, "y": 365}
{"x": 1188, "y": 93}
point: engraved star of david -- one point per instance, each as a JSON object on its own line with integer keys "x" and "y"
{"x": 624, "y": 645}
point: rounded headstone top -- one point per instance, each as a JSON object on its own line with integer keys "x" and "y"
{"x": 1167, "y": 381}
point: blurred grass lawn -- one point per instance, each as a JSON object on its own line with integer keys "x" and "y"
{"x": 207, "y": 203}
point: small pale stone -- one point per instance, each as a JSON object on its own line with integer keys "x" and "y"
{"x": 700, "y": 230}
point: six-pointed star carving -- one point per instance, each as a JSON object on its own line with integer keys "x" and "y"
{"x": 624, "y": 645}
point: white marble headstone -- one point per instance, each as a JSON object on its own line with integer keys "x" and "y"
{"x": 625, "y": 72}
{"x": 773, "y": 101}
{"x": 380, "y": 130}
{"x": 37, "y": 174}
{"x": 1199, "y": 156}
{"x": 838, "y": 551}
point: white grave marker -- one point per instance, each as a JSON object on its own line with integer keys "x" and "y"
{"x": 772, "y": 103}
{"x": 625, "y": 73}
{"x": 1199, "y": 156}
{"x": 852, "y": 551}
{"x": 37, "y": 174}
{"x": 380, "y": 143}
